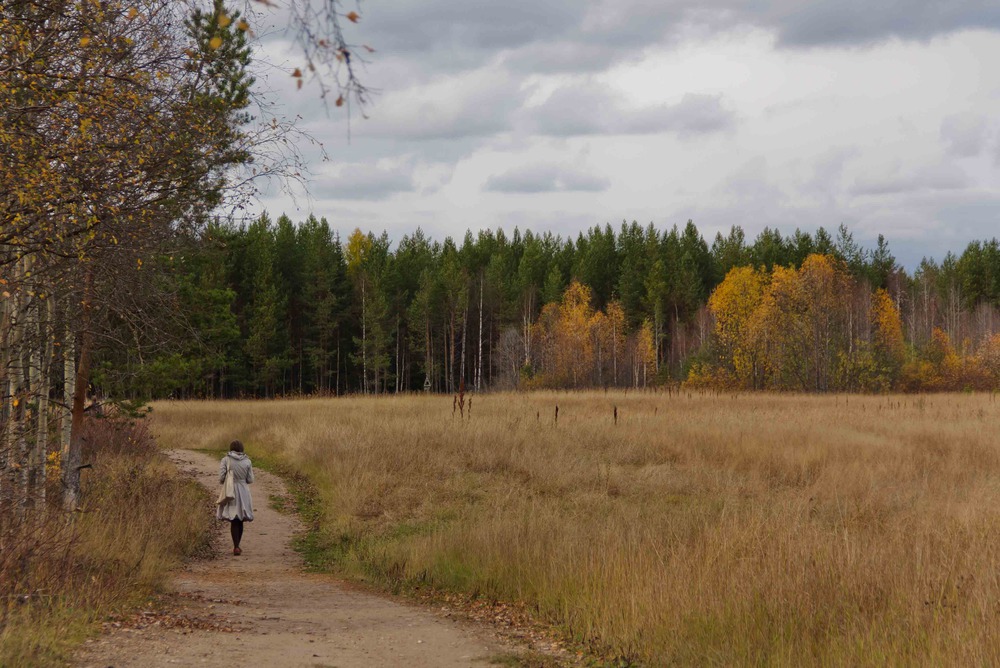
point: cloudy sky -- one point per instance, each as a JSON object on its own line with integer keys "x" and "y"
{"x": 562, "y": 114}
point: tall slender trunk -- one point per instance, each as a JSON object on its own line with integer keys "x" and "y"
{"x": 69, "y": 372}
{"x": 479, "y": 366}
{"x": 657, "y": 338}
{"x": 364, "y": 338}
{"x": 428, "y": 351}
{"x": 16, "y": 444}
{"x": 32, "y": 363}
{"x": 43, "y": 390}
{"x": 529, "y": 306}
{"x": 451, "y": 355}
{"x": 71, "y": 467}
{"x": 465, "y": 338}
{"x": 6, "y": 403}
{"x": 614, "y": 351}
{"x": 600, "y": 363}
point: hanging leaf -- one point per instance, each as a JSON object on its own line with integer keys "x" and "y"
{"x": 84, "y": 41}
{"x": 132, "y": 13}
{"x": 353, "y": 17}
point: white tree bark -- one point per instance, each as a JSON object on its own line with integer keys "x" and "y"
{"x": 69, "y": 374}
{"x": 42, "y": 392}
{"x": 479, "y": 366}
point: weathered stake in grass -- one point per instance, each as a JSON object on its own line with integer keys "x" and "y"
{"x": 771, "y": 529}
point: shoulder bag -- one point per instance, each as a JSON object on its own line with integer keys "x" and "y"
{"x": 226, "y": 490}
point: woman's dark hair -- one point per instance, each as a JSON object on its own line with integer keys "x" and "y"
{"x": 236, "y": 446}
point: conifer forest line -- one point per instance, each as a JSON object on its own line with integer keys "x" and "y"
{"x": 274, "y": 308}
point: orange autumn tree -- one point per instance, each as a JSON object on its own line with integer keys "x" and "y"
{"x": 577, "y": 346}
{"x": 614, "y": 324}
{"x": 887, "y": 338}
{"x": 825, "y": 282}
{"x": 643, "y": 354}
{"x": 941, "y": 367}
{"x": 790, "y": 329}
{"x": 576, "y": 350}
{"x": 988, "y": 359}
{"x": 600, "y": 344}
{"x": 785, "y": 330}
{"x": 873, "y": 361}
{"x": 735, "y": 305}
{"x": 565, "y": 340}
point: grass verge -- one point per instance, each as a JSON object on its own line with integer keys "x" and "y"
{"x": 60, "y": 577}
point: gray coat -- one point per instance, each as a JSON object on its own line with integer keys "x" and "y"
{"x": 241, "y": 505}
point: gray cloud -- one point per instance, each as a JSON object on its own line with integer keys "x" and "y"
{"x": 939, "y": 177}
{"x": 965, "y": 135}
{"x": 561, "y": 56}
{"x": 364, "y": 181}
{"x": 546, "y": 177}
{"x": 856, "y": 22}
{"x": 476, "y": 104}
{"x": 567, "y": 35}
{"x": 590, "y": 110}
{"x": 828, "y": 170}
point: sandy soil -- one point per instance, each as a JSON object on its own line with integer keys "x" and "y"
{"x": 261, "y": 609}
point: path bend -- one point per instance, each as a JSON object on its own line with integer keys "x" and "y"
{"x": 262, "y": 609}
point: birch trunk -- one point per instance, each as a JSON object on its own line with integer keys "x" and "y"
{"x": 451, "y": 354}
{"x": 364, "y": 338}
{"x": 465, "y": 338}
{"x": 69, "y": 372}
{"x": 16, "y": 445}
{"x": 529, "y": 306}
{"x": 74, "y": 459}
{"x": 44, "y": 388}
{"x": 614, "y": 352}
{"x": 29, "y": 472}
{"x": 399, "y": 358}
{"x": 5, "y": 401}
{"x": 479, "y": 366}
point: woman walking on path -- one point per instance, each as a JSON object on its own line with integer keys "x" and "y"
{"x": 238, "y": 508}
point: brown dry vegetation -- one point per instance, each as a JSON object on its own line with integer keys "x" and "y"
{"x": 718, "y": 529}
{"x": 59, "y": 576}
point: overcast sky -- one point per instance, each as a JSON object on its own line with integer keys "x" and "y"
{"x": 563, "y": 114}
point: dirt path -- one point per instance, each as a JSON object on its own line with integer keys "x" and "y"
{"x": 261, "y": 609}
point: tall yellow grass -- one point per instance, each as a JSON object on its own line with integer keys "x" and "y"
{"x": 765, "y": 529}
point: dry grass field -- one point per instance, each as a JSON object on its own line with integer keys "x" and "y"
{"x": 701, "y": 529}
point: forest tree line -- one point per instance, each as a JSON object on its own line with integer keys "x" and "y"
{"x": 275, "y": 307}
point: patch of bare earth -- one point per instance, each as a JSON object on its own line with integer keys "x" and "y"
{"x": 261, "y": 608}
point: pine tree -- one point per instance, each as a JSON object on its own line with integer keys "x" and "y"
{"x": 264, "y": 311}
